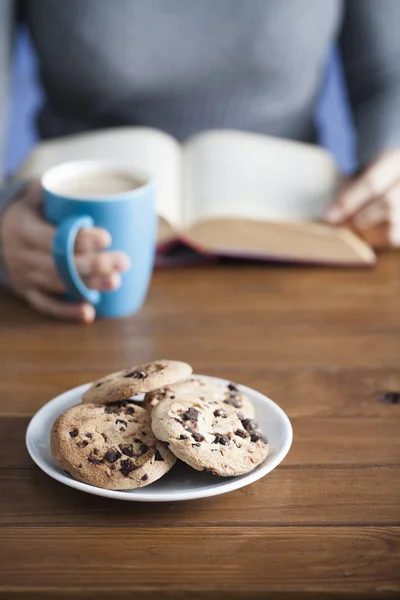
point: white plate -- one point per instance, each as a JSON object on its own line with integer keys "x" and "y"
{"x": 182, "y": 482}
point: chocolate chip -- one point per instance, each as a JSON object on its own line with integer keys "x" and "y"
{"x": 197, "y": 436}
{"x": 115, "y": 407}
{"x": 73, "y": 433}
{"x": 389, "y": 398}
{"x": 249, "y": 424}
{"x": 137, "y": 374}
{"x": 143, "y": 449}
{"x": 240, "y": 416}
{"x": 183, "y": 437}
{"x": 233, "y": 401}
{"x": 130, "y": 410}
{"x": 144, "y": 478}
{"x": 158, "y": 456}
{"x": 89, "y": 435}
{"x": 221, "y": 439}
{"x": 112, "y": 455}
{"x": 127, "y": 449}
{"x": 172, "y": 397}
{"x": 127, "y": 466}
{"x": 82, "y": 444}
{"x": 232, "y": 387}
{"x": 137, "y": 441}
{"x": 94, "y": 461}
{"x": 220, "y": 412}
{"x": 178, "y": 421}
{"x": 241, "y": 433}
{"x": 143, "y": 433}
{"x": 124, "y": 423}
{"x": 112, "y": 467}
{"x": 191, "y": 414}
{"x": 255, "y": 437}
{"x": 193, "y": 445}
{"x": 99, "y": 384}
{"x": 189, "y": 429}
{"x": 95, "y": 451}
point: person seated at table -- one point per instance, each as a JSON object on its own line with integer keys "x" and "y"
{"x": 185, "y": 66}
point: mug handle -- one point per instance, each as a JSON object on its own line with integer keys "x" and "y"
{"x": 63, "y": 254}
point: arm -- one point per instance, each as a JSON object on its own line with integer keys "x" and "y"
{"x": 370, "y": 45}
{"x": 7, "y": 191}
{"x": 26, "y": 239}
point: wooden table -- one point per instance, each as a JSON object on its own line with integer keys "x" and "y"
{"x": 323, "y": 343}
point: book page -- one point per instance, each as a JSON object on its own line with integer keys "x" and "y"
{"x": 246, "y": 175}
{"x": 146, "y": 149}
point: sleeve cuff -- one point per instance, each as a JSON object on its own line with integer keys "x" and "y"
{"x": 378, "y": 125}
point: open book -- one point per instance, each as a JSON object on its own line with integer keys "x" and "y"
{"x": 226, "y": 193}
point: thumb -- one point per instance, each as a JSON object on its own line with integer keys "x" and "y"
{"x": 39, "y": 232}
{"x": 372, "y": 182}
{"x": 34, "y": 194}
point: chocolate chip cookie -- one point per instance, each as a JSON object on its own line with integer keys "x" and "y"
{"x": 218, "y": 439}
{"x": 111, "y": 447}
{"x": 206, "y": 390}
{"x": 136, "y": 380}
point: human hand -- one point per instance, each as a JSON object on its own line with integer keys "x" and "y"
{"x": 370, "y": 203}
{"x": 27, "y": 241}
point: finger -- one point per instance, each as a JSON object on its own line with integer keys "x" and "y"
{"x": 377, "y": 236}
{"x": 37, "y": 232}
{"x": 40, "y": 235}
{"x": 104, "y": 283}
{"x": 103, "y": 263}
{"x": 92, "y": 239}
{"x": 372, "y": 183}
{"x": 58, "y": 309}
{"x": 43, "y": 273}
{"x": 393, "y": 200}
{"x": 384, "y": 211}
{"x": 34, "y": 194}
{"x": 373, "y": 214}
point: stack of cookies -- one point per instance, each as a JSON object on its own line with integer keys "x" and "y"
{"x": 115, "y": 442}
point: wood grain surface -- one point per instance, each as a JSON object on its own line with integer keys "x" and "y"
{"x": 324, "y": 344}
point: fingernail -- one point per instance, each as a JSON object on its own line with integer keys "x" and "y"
{"x": 114, "y": 281}
{"x": 122, "y": 263}
{"x": 103, "y": 240}
{"x": 88, "y": 313}
{"x": 333, "y": 214}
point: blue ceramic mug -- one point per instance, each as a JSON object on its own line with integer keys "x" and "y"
{"x": 84, "y": 194}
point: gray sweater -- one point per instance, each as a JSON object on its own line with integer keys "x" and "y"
{"x": 188, "y": 65}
